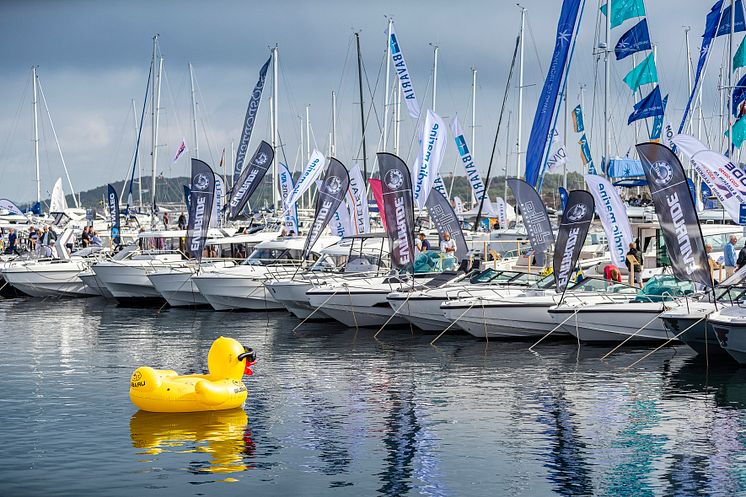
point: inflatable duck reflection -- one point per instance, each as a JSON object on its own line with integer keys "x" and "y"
{"x": 159, "y": 390}
{"x": 224, "y": 435}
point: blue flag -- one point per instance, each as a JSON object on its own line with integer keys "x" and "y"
{"x": 633, "y": 41}
{"x": 739, "y": 94}
{"x": 724, "y": 26}
{"x": 537, "y": 141}
{"x": 650, "y": 106}
{"x": 711, "y": 24}
{"x": 655, "y": 133}
{"x": 577, "y": 119}
{"x": 563, "y": 196}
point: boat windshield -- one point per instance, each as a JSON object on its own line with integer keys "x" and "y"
{"x": 733, "y": 294}
{"x": 328, "y": 262}
{"x": 663, "y": 288}
{"x": 266, "y": 257}
{"x": 433, "y": 261}
{"x": 504, "y": 277}
{"x": 598, "y": 285}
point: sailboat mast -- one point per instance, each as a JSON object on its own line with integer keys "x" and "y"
{"x": 473, "y": 119}
{"x": 362, "y": 105}
{"x": 520, "y": 94}
{"x": 435, "y": 74}
{"x": 36, "y": 134}
{"x": 275, "y": 131}
{"x": 507, "y": 161}
{"x": 387, "y": 88}
{"x": 333, "y": 141}
{"x": 397, "y": 119}
{"x": 154, "y": 128}
{"x": 688, "y": 67}
{"x": 137, "y": 161}
{"x": 194, "y": 113}
{"x": 307, "y": 195}
{"x": 156, "y": 120}
{"x": 607, "y": 77}
{"x": 564, "y": 137}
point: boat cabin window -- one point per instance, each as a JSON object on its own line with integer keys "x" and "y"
{"x": 158, "y": 244}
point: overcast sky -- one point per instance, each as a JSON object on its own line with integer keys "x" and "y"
{"x": 93, "y": 59}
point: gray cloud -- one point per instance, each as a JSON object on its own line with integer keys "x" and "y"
{"x": 94, "y": 56}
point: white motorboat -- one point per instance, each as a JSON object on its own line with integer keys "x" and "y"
{"x": 53, "y": 277}
{"x": 729, "y": 324}
{"x": 636, "y": 320}
{"x": 174, "y": 282}
{"x": 89, "y": 278}
{"x": 126, "y": 274}
{"x": 363, "y": 302}
{"x": 422, "y": 307}
{"x": 242, "y": 286}
{"x": 525, "y": 315}
{"x": 340, "y": 262}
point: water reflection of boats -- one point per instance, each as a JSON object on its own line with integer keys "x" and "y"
{"x": 222, "y": 434}
{"x": 723, "y": 378}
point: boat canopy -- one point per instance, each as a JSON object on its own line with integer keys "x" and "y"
{"x": 625, "y": 168}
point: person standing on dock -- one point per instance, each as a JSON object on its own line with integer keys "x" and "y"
{"x": 12, "y": 240}
{"x": 448, "y": 245}
{"x": 422, "y": 244}
{"x": 634, "y": 263}
{"x": 729, "y": 256}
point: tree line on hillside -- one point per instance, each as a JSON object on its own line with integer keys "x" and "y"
{"x": 171, "y": 190}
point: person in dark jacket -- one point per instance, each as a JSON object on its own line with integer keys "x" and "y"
{"x": 12, "y": 240}
{"x": 634, "y": 263}
{"x": 741, "y": 261}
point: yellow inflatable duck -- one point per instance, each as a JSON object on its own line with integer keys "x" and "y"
{"x": 161, "y": 390}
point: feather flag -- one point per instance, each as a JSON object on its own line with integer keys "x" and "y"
{"x": 642, "y": 74}
{"x": 633, "y": 41}
{"x": 650, "y": 106}
{"x": 621, "y": 10}
{"x": 540, "y": 129}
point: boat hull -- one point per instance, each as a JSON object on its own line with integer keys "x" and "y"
{"x": 356, "y": 308}
{"x": 613, "y": 323}
{"x": 177, "y": 287}
{"x": 690, "y": 323}
{"x": 128, "y": 283}
{"x": 228, "y": 292}
{"x": 91, "y": 281}
{"x": 510, "y": 321}
{"x": 52, "y": 280}
{"x": 292, "y": 295}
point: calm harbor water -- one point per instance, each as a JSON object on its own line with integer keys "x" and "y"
{"x": 335, "y": 412}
